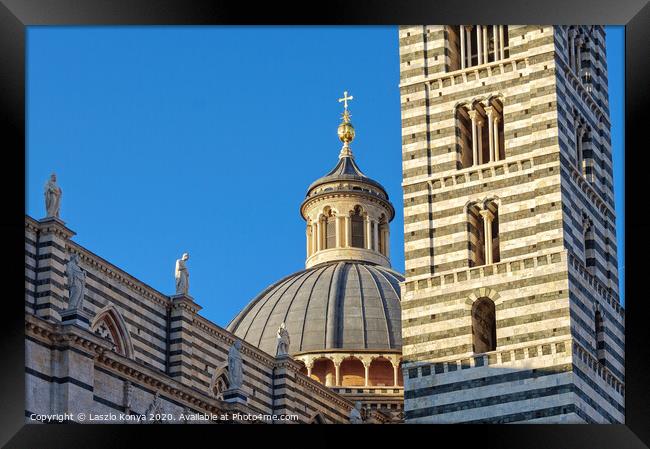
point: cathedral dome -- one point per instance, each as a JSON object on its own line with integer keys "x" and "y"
{"x": 347, "y": 305}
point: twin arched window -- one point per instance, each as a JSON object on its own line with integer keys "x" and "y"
{"x": 357, "y": 223}
{"x": 479, "y": 133}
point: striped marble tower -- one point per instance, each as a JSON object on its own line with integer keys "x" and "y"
{"x": 510, "y": 307}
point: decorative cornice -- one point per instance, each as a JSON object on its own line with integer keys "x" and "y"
{"x": 138, "y": 374}
{"x": 108, "y": 269}
{"x": 226, "y": 337}
{"x": 334, "y": 194}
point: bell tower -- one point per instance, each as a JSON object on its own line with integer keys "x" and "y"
{"x": 510, "y": 307}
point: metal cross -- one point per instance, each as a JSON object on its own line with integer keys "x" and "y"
{"x": 345, "y": 99}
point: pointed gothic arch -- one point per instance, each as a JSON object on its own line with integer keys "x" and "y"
{"x": 220, "y": 382}
{"x": 109, "y": 324}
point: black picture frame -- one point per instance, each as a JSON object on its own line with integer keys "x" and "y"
{"x": 16, "y": 15}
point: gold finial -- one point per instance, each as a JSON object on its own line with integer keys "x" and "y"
{"x": 346, "y": 130}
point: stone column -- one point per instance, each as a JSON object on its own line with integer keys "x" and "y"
{"x": 495, "y": 40}
{"x": 338, "y": 232}
{"x": 319, "y": 241}
{"x": 501, "y": 42}
{"x": 375, "y": 242}
{"x": 309, "y": 363}
{"x": 395, "y": 371}
{"x": 497, "y": 141}
{"x": 308, "y": 240}
{"x": 368, "y": 241}
{"x": 462, "y": 47}
{"x": 490, "y": 112}
{"x": 487, "y": 231}
{"x": 579, "y": 42}
{"x": 486, "y": 45}
{"x": 366, "y": 369}
{"x": 348, "y": 231}
{"x": 474, "y": 118}
{"x": 479, "y": 132}
{"x": 468, "y": 29}
{"x": 387, "y": 242}
{"x": 479, "y": 43}
{"x": 337, "y": 371}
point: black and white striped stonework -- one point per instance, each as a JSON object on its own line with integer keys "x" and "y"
{"x": 551, "y": 189}
{"x": 173, "y": 352}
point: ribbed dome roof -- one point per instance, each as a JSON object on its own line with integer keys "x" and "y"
{"x": 337, "y": 305}
{"x": 346, "y": 169}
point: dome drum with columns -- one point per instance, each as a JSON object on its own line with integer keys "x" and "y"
{"x": 343, "y": 311}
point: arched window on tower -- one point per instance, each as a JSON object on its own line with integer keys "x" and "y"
{"x": 357, "y": 224}
{"x": 464, "y": 137}
{"x": 476, "y": 241}
{"x": 484, "y": 326}
{"x": 330, "y": 230}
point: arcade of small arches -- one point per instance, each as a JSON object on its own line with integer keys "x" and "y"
{"x": 354, "y": 229}
{"x": 353, "y": 370}
{"x": 483, "y": 228}
{"x": 479, "y": 131}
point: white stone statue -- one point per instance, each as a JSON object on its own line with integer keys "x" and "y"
{"x": 76, "y": 283}
{"x": 182, "y": 275}
{"x": 283, "y": 341}
{"x": 235, "y": 372}
{"x": 52, "y": 197}
{"x": 355, "y": 414}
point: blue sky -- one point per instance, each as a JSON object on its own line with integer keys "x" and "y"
{"x": 204, "y": 139}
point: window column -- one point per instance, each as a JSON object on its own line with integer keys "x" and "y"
{"x": 474, "y": 118}
{"x": 486, "y": 44}
{"x": 495, "y": 41}
{"x": 490, "y": 111}
{"x": 487, "y": 232}
{"x": 468, "y": 30}
{"x": 479, "y": 132}
{"x": 462, "y": 46}
{"x": 497, "y": 140}
{"x": 501, "y": 42}
{"x": 479, "y": 43}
